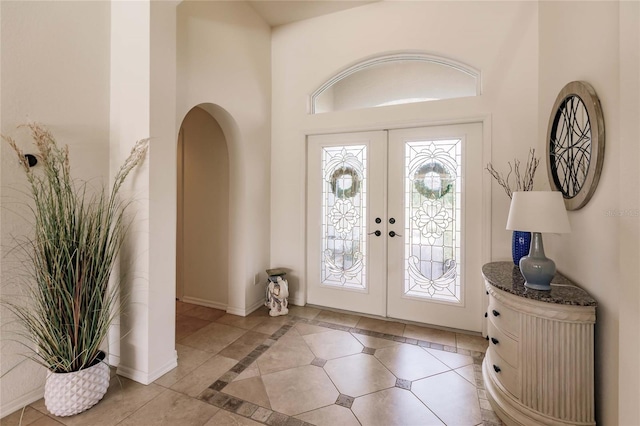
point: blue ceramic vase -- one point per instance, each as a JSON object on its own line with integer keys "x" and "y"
{"x": 520, "y": 244}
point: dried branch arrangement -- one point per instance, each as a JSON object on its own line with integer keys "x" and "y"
{"x": 517, "y": 179}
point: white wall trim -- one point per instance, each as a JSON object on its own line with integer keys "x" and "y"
{"x": 148, "y": 378}
{"x": 170, "y": 365}
{"x": 485, "y": 119}
{"x": 298, "y": 301}
{"x": 203, "y": 302}
{"x": 18, "y": 403}
{"x": 247, "y": 311}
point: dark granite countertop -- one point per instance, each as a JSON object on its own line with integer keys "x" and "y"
{"x": 507, "y": 277}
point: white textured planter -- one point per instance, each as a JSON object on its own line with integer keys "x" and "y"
{"x": 66, "y": 394}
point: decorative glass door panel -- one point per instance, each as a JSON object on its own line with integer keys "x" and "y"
{"x": 344, "y": 212}
{"x": 345, "y": 194}
{"x": 437, "y": 198}
{"x": 432, "y": 219}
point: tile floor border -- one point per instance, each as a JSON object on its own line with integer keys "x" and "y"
{"x": 215, "y": 396}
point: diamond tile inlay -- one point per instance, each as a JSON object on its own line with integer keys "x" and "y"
{"x": 345, "y": 401}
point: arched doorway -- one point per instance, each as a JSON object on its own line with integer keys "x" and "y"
{"x": 202, "y": 237}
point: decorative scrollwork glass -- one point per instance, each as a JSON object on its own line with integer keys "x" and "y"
{"x": 343, "y": 210}
{"x": 432, "y": 219}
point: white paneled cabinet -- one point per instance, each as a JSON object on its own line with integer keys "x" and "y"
{"x": 539, "y": 366}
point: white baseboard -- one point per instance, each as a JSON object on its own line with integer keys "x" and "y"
{"x": 298, "y": 301}
{"x": 259, "y": 304}
{"x": 147, "y": 378}
{"x": 204, "y": 302}
{"x": 133, "y": 374}
{"x": 244, "y": 312}
{"x": 170, "y": 365}
{"x": 9, "y": 407}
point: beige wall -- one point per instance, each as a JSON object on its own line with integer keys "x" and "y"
{"x": 499, "y": 39}
{"x": 586, "y": 41}
{"x": 224, "y": 62}
{"x": 203, "y": 188}
{"x": 629, "y": 225}
{"x": 55, "y": 70}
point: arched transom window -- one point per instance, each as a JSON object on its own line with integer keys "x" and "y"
{"x": 396, "y": 79}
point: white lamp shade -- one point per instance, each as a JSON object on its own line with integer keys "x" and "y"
{"x": 538, "y": 211}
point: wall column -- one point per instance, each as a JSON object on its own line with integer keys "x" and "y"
{"x": 143, "y": 105}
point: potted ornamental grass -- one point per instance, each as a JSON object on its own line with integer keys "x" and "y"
{"x": 68, "y": 303}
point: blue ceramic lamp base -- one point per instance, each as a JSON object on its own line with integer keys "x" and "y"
{"x": 537, "y": 269}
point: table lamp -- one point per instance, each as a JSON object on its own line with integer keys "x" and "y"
{"x": 537, "y": 212}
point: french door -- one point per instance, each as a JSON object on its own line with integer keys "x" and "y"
{"x": 394, "y": 224}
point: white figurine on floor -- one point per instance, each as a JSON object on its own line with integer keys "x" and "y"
{"x": 277, "y": 294}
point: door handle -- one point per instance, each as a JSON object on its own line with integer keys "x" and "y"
{"x": 393, "y": 234}
{"x": 377, "y": 233}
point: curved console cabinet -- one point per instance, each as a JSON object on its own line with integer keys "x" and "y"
{"x": 538, "y": 368}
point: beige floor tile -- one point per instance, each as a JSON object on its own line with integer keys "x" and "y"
{"x": 433, "y": 335}
{"x": 410, "y": 362}
{"x": 381, "y": 326}
{"x": 452, "y": 360}
{"x": 200, "y": 379}
{"x": 468, "y": 372}
{"x": 213, "y": 338}
{"x": 332, "y": 415}
{"x": 453, "y": 399}
{"x": 360, "y": 374}
{"x": 244, "y": 345}
{"x": 297, "y": 390}
{"x": 186, "y": 326}
{"x": 251, "y": 371}
{"x": 333, "y": 344}
{"x": 304, "y": 311}
{"x": 270, "y": 325}
{"x": 205, "y": 313}
{"x": 22, "y": 417}
{"x": 261, "y": 312}
{"x": 246, "y": 323}
{"x": 251, "y": 390}
{"x": 225, "y": 418}
{"x": 392, "y": 407}
{"x": 472, "y": 343}
{"x": 289, "y": 351}
{"x": 188, "y": 359}
{"x": 123, "y": 397}
{"x": 182, "y": 307}
{"x": 338, "y": 318}
{"x": 305, "y": 329}
{"x": 374, "y": 342}
{"x": 172, "y": 408}
{"x": 43, "y": 421}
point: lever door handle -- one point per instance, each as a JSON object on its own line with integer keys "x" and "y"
{"x": 393, "y": 234}
{"x": 377, "y": 233}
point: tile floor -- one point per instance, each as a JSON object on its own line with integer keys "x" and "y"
{"x": 311, "y": 367}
